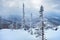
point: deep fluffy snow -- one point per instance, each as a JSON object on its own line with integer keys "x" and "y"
{"x": 7, "y": 34}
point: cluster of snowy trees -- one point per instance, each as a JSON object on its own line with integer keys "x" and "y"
{"x": 15, "y": 22}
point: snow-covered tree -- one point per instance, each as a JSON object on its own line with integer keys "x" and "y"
{"x": 42, "y": 25}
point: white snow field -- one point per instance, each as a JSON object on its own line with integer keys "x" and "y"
{"x": 8, "y": 34}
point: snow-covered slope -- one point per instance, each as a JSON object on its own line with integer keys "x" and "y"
{"x": 8, "y": 34}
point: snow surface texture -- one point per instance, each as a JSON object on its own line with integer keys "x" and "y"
{"x": 8, "y": 34}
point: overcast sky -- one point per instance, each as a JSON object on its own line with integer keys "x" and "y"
{"x": 8, "y": 7}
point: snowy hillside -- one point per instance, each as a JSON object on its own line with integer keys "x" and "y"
{"x": 7, "y": 34}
